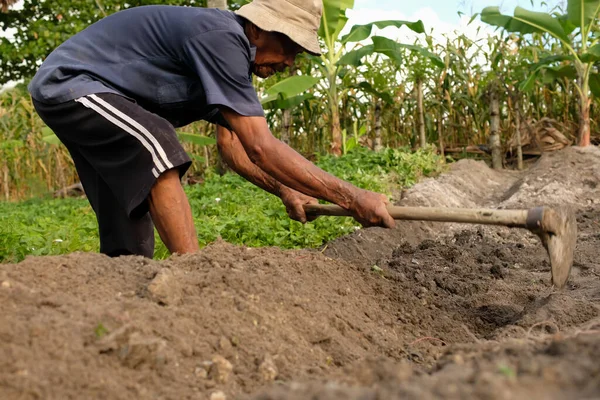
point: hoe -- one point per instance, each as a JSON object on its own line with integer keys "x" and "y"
{"x": 557, "y": 228}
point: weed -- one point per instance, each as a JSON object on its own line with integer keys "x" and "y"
{"x": 100, "y": 331}
{"x": 377, "y": 270}
{"x": 507, "y": 371}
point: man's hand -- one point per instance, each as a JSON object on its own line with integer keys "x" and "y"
{"x": 294, "y": 201}
{"x": 291, "y": 170}
{"x": 369, "y": 209}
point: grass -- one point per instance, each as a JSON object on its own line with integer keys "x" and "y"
{"x": 224, "y": 206}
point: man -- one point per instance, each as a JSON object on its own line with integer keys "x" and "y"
{"x": 114, "y": 92}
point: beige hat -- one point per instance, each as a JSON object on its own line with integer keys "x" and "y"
{"x": 297, "y": 19}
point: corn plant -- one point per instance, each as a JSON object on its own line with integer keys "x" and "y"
{"x": 576, "y": 31}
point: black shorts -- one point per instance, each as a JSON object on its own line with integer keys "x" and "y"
{"x": 119, "y": 149}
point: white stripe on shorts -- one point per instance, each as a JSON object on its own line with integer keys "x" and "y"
{"x": 159, "y": 168}
{"x": 136, "y": 125}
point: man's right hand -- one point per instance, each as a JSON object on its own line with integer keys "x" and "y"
{"x": 370, "y": 209}
{"x": 286, "y": 166}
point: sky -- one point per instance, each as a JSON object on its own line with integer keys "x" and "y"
{"x": 446, "y": 10}
{"x": 440, "y": 15}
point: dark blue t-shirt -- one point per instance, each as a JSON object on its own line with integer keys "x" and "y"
{"x": 178, "y": 62}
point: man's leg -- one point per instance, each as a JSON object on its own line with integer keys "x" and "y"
{"x": 172, "y": 215}
{"x": 135, "y": 161}
{"x": 119, "y": 234}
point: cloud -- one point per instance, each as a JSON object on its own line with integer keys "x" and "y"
{"x": 434, "y": 25}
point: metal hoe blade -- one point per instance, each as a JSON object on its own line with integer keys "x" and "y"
{"x": 557, "y": 228}
{"x": 558, "y": 232}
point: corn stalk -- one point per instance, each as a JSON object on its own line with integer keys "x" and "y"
{"x": 576, "y": 32}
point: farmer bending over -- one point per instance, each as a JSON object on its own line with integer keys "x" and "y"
{"x": 115, "y": 92}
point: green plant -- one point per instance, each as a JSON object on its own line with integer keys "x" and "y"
{"x": 28, "y": 165}
{"x": 41, "y": 26}
{"x": 335, "y": 57}
{"x": 223, "y": 206}
{"x": 580, "y": 48}
{"x": 100, "y": 331}
{"x": 44, "y": 227}
{"x": 507, "y": 371}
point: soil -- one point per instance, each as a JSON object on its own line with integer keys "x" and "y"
{"x": 422, "y": 311}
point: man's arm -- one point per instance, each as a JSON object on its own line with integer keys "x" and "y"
{"x": 288, "y": 167}
{"x": 235, "y": 156}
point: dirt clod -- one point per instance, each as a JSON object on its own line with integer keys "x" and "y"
{"x": 267, "y": 369}
{"x": 220, "y": 369}
{"x": 164, "y": 288}
{"x": 218, "y": 396}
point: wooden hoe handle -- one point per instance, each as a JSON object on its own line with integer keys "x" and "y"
{"x": 514, "y": 218}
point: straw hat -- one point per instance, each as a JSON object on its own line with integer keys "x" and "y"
{"x": 297, "y": 19}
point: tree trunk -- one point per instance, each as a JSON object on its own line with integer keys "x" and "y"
{"x": 222, "y": 4}
{"x": 221, "y": 166}
{"x": 494, "y": 143}
{"x": 584, "y": 119}
{"x": 336, "y": 131}
{"x": 421, "y": 114}
{"x": 449, "y": 121}
{"x": 206, "y": 158}
{"x": 4, "y": 4}
{"x": 286, "y": 118}
{"x": 441, "y": 132}
{"x": 518, "y": 134}
{"x": 377, "y": 142}
{"x": 286, "y": 128}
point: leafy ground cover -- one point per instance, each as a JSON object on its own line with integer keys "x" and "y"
{"x": 223, "y": 206}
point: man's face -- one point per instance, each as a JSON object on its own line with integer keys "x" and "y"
{"x": 274, "y": 53}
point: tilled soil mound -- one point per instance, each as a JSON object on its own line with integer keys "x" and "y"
{"x": 423, "y": 311}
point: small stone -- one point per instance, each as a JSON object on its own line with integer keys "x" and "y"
{"x": 218, "y": 396}
{"x": 209, "y": 384}
{"x": 143, "y": 350}
{"x": 220, "y": 369}
{"x": 458, "y": 359}
{"x": 419, "y": 277}
{"x": 225, "y": 345}
{"x": 164, "y": 288}
{"x": 6, "y": 284}
{"x": 267, "y": 369}
{"x": 186, "y": 349}
{"x": 201, "y": 373}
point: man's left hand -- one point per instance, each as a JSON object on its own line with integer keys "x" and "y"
{"x": 294, "y": 202}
